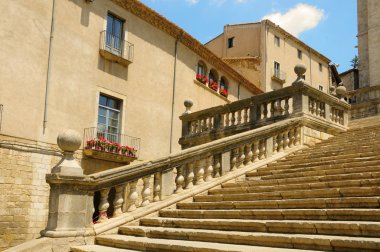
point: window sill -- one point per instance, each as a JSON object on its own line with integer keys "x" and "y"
{"x": 205, "y": 86}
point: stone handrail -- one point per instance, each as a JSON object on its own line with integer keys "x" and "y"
{"x": 294, "y": 101}
{"x": 363, "y": 94}
{"x": 71, "y": 206}
{"x": 364, "y": 102}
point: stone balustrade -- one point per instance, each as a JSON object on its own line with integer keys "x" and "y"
{"x": 71, "y": 206}
{"x": 364, "y": 102}
{"x": 298, "y": 100}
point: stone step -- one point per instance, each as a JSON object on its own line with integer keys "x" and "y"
{"x": 297, "y": 241}
{"x": 310, "y": 155}
{"x": 323, "y": 152}
{"x": 349, "y": 228}
{"x": 160, "y": 245}
{"x": 330, "y": 171}
{"x": 98, "y": 248}
{"x": 304, "y": 186}
{"x": 318, "y": 161}
{"x": 352, "y": 214}
{"x": 294, "y": 194}
{"x": 255, "y": 181}
{"x": 306, "y": 167}
{"x": 318, "y": 203}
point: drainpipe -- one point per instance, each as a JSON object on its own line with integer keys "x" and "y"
{"x": 173, "y": 95}
{"x": 49, "y": 68}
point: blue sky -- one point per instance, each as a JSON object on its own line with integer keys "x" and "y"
{"x": 329, "y": 26}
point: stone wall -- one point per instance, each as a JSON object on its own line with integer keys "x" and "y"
{"x": 23, "y": 190}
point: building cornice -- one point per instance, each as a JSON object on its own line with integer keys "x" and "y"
{"x": 150, "y": 16}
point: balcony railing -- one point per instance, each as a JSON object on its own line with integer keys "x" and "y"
{"x": 111, "y": 147}
{"x": 278, "y": 75}
{"x": 116, "y": 49}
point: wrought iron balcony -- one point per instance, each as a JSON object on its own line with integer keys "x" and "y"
{"x": 278, "y": 75}
{"x": 116, "y": 49}
{"x": 111, "y": 147}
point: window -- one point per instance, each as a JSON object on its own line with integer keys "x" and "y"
{"x": 277, "y": 70}
{"x": 320, "y": 88}
{"x": 114, "y": 34}
{"x": 201, "y": 68}
{"x": 320, "y": 67}
{"x": 277, "y": 41}
{"x": 109, "y": 118}
{"x": 231, "y": 42}
{"x": 299, "y": 53}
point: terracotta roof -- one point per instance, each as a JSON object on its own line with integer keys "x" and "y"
{"x": 150, "y": 16}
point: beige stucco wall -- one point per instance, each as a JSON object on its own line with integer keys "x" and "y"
{"x": 78, "y": 75}
{"x": 287, "y": 55}
{"x": 257, "y": 39}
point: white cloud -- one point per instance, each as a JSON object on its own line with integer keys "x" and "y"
{"x": 298, "y": 19}
{"x": 192, "y": 1}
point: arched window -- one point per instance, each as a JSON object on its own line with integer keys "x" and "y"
{"x": 201, "y": 72}
{"x": 213, "y": 79}
{"x": 223, "y": 86}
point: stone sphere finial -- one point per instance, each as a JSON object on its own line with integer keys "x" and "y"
{"x": 300, "y": 69}
{"x": 69, "y": 140}
{"x": 188, "y": 104}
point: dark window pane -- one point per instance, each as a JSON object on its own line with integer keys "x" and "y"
{"x": 103, "y": 100}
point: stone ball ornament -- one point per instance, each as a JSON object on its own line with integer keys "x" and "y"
{"x": 341, "y": 90}
{"x": 69, "y": 140}
{"x": 300, "y": 69}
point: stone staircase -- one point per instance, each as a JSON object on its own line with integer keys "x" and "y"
{"x": 323, "y": 198}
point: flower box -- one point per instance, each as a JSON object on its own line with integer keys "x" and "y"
{"x": 223, "y": 92}
{"x": 213, "y": 85}
{"x": 201, "y": 78}
{"x": 101, "y": 148}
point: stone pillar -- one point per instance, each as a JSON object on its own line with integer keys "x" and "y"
{"x": 70, "y": 206}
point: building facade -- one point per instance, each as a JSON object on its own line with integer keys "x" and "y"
{"x": 264, "y": 52}
{"x": 368, "y": 42}
{"x": 114, "y": 71}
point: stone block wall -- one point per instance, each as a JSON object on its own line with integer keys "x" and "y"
{"x": 23, "y": 191}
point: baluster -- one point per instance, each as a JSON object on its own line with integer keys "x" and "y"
{"x": 298, "y": 135}
{"x": 209, "y": 169}
{"x": 118, "y": 201}
{"x": 210, "y": 125}
{"x": 103, "y": 205}
{"x": 222, "y": 119}
{"x": 233, "y": 119}
{"x": 146, "y": 191}
{"x": 200, "y": 172}
{"x": 262, "y": 153}
{"x": 157, "y": 187}
{"x": 241, "y": 157}
{"x": 248, "y": 154}
{"x": 234, "y": 154}
{"x": 291, "y": 138}
{"x": 239, "y": 117}
{"x": 265, "y": 111}
{"x": 199, "y": 130}
{"x": 204, "y": 125}
{"x": 227, "y": 119}
{"x": 245, "y": 115}
{"x": 286, "y": 107}
{"x": 217, "y": 166}
{"x": 272, "y": 109}
{"x": 323, "y": 107}
{"x": 190, "y": 175}
{"x": 275, "y": 144}
{"x": 286, "y": 140}
{"x": 280, "y": 142}
{"x": 132, "y": 196}
{"x": 256, "y": 151}
{"x": 318, "y": 108}
{"x": 179, "y": 180}
{"x": 279, "y": 109}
